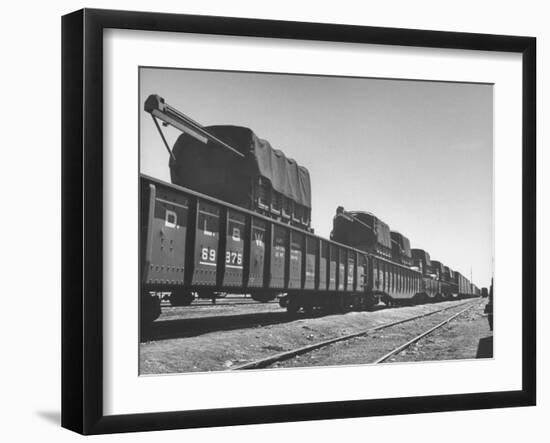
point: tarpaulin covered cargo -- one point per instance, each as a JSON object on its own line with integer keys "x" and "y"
{"x": 381, "y": 229}
{"x": 422, "y": 259}
{"x": 402, "y": 241}
{"x": 438, "y": 268}
{"x": 219, "y": 172}
{"x": 362, "y": 230}
{"x": 420, "y": 254}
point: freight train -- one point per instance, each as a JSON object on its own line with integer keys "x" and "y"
{"x": 237, "y": 218}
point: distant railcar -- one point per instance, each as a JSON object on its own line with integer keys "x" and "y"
{"x": 193, "y": 243}
{"x": 393, "y": 282}
{"x": 449, "y": 277}
{"x": 464, "y": 287}
{"x": 442, "y": 275}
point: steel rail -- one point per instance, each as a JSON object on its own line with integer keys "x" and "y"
{"x": 267, "y": 361}
{"x": 419, "y": 337}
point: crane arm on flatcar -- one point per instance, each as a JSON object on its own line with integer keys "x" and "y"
{"x": 158, "y": 108}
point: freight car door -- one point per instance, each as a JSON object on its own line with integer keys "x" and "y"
{"x": 234, "y": 249}
{"x": 207, "y": 238}
{"x": 257, "y": 254}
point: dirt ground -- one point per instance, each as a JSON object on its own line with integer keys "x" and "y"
{"x": 458, "y": 339}
{"x": 466, "y": 337}
{"x": 223, "y": 350}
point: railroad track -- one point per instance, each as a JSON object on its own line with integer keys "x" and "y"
{"x": 268, "y": 361}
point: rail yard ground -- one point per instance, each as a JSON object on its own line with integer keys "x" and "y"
{"x": 241, "y": 334}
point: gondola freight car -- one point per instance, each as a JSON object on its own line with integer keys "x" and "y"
{"x": 195, "y": 243}
{"x": 191, "y": 242}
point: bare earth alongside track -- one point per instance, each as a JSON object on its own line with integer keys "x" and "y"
{"x": 224, "y": 349}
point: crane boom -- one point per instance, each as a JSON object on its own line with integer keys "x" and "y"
{"x": 158, "y": 108}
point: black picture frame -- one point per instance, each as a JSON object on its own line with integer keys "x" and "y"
{"x": 82, "y": 232}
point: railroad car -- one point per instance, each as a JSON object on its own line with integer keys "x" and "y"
{"x": 447, "y": 286}
{"x": 438, "y": 271}
{"x": 191, "y": 242}
{"x": 464, "y": 288}
{"x": 394, "y": 283}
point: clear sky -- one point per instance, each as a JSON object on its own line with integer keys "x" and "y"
{"x": 419, "y": 155}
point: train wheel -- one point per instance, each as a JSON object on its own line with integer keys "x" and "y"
{"x": 370, "y": 302}
{"x": 330, "y": 305}
{"x": 292, "y": 306}
{"x": 309, "y": 308}
{"x": 207, "y": 293}
{"x": 181, "y": 298}
{"x": 344, "y": 304}
{"x": 420, "y": 298}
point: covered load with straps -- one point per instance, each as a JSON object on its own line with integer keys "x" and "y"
{"x": 264, "y": 179}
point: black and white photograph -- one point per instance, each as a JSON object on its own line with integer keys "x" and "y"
{"x": 289, "y": 221}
